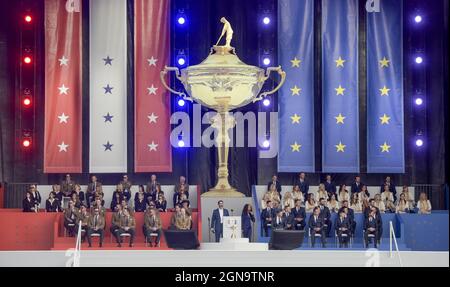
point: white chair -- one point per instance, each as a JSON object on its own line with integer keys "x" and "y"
{"x": 153, "y": 234}
{"x": 65, "y": 229}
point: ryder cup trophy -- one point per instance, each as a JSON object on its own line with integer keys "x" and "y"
{"x": 222, "y": 82}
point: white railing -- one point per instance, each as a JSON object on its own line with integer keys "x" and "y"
{"x": 77, "y": 253}
{"x": 392, "y": 236}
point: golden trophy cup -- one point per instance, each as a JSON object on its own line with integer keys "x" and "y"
{"x": 223, "y": 82}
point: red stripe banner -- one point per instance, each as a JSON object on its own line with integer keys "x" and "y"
{"x": 152, "y": 102}
{"x": 63, "y": 87}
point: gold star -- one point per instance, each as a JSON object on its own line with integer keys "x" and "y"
{"x": 296, "y": 90}
{"x": 340, "y": 90}
{"x": 296, "y": 147}
{"x": 385, "y": 147}
{"x": 340, "y": 147}
{"x": 385, "y": 91}
{"x": 340, "y": 62}
{"x": 385, "y": 119}
{"x": 340, "y": 119}
{"x": 296, "y": 63}
{"x": 384, "y": 63}
{"x": 296, "y": 119}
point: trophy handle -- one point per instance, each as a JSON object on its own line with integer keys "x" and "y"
{"x": 177, "y": 74}
{"x": 280, "y": 84}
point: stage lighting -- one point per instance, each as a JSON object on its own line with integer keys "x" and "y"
{"x": 266, "y": 61}
{"x": 266, "y": 143}
{"x": 26, "y": 142}
{"x": 26, "y": 101}
{"x": 419, "y": 142}
{"x": 27, "y": 59}
{"x": 181, "y": 143}
{"x": 181, "y": 20}
{"x": 418, "y": 19}
{"x": 266, "y": 102}
{"x": 266, "y": 20}
{"x": 28, "y": 18}
{"x": 419, "y": 60}
{"x": 418, "y": 101}
{"x": 181, "y": 102}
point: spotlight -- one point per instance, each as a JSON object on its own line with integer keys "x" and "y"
{"x": 181, "y": 20}
{"x": 266, "y": 61}
{"x": 418, "y": 19}
{"x": 181, "y": 143}
{"x": 181, "y": 61}
{"x": 419, "y": 60}
{"x": 26, "y": 142}
{"x": 27, "y": 60}
{"x": 181, "y": 102}
{"x": 418, "y": 101}
{"x": 266, "y": 143}
{"x": 26, "y": 101}
{"x": 266, "y": 102}
{"x": 419, "y": 142}
{"x": 266, "y": 20}
{"x": 28, "y": 18}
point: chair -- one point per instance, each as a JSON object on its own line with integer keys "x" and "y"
{"x": 152, "y": 235}
{"x": 65, "y": 229}
{"x": 317, "y": 235}
{"x": 336, "y": 238}
{"x": 370, "y": 236}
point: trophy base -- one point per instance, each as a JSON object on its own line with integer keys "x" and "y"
{"x": 229, "y": 192}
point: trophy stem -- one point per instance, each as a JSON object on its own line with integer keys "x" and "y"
{"x": 223, "y": 187}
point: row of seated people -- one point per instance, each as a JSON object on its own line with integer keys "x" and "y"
{"x": 384, "y": 201}
{"x": 122, "y": 222}
{"x": 146, "y": 194}
{"x": 319, "y": 224}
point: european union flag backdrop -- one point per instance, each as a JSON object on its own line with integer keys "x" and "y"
{"x": 340, "y": 117}
{"x": 296, "y": 98}
{"x": 385, "y": 120}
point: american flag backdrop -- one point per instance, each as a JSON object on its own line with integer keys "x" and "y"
{"x": 109, "y": 112}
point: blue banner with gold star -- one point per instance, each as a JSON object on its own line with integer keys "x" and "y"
{"x": 385, "y": 120}
{"x": 296, "y": 98}
{"x": 340, "y": 117}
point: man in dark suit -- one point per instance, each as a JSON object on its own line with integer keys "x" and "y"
{"x": 91, "y": 189}
{"x": 350, "y": 214}
{"x": 391, "y": 186}
{"x": 276, "y": 183}
{"x": 356, "y": 185}
{"x": 302, "y": 183}
{"x": 325, "y": 214}
{"x": 371, "y": 227}
{"x": 377, "y": 217}
{"x": 96, "y": 226}
{"x": 342, "y": 226}
{"x": 267, "y": 216}
{"x": 288, "y": 218}
{"x": 299, "y": 215}
{"x": 217, "y": 220}
{"x": 316, "y": 226}
{"x": 330, "y": 186}
{"x": 278, "y": 222}
{"x": 127, "y": 226}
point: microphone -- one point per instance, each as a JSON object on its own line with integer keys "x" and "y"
{"x": 232, "y": 210}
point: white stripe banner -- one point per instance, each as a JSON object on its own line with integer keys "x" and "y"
{"x": 108, "y": 86}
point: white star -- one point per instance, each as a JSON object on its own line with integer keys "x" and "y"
{"x": 152, "y": 61}
{"x": 63, "y": 61}
{"x": 152, "y": 90}
{"x": 63, "y": 118}
{"x": 152, "y": 118}
{"x": 63, "y": 147}
{"x": 152, "y": 146}
{"x": 63, "y": 90}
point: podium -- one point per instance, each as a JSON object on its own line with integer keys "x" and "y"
{"x": 232, "y": 227}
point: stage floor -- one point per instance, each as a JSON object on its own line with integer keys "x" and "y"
{"x": 210, "y": 258}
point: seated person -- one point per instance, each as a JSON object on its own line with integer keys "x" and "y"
{"x": 28, "y": 203}
{"x": 299, "y": 215}
{"x": 71, "y": 215}
{"x": 35, "y": 194}
{"x": 76, "y": 200}
{"x": 388, "y": 199}
{"x": 117, "y": 199}
{"x": 181, "y": 187}
{"x": 67, "y": 186}
{"x": 264, "y": 201}
{"x": 84, "y": 218}
{"x": 423, "y": 205}
{"x": 371, "y": 227}
{"x": 310, "y": 203}
{"x": 333, "y": 204}
{"x": 175, "y": 215}
{"x": 267, "y": 216}
{"x": 52, "y": 204}
{"x": 278, "y": 222}
{"x": 140, "y": 190}
{"x": 98, "y": 204}
{"x": 93, "y": 187}
{"x": 330, "y": 186}
{"x": 377, "y": 216}
{"x": 288, "y": 200}
{"x": 343, "y": 194}
{"x": 96, "y": 226}
{"x": 276, "y": 183}
{"x": 322, "y": 193}
{"x": 325, "y": 214}
{"x": 316, "y": 227}
{"x": 288, "y": 218}
{"x": 350, "y": 214}
{"x": 126, "y": 184}
{"x": 363, "y": 193}
{"x": 56, "y": 188}
{"x": 127, "y": 226}
{"x": 274, "y": 196}
{"x": 183, "y": 221}
{"x": 161, "y": 203}
{"x": 402, "y": 204}
{"x": 187, "y": 206}
{"x": 115, "y": 219}
{"x": 119, "y": 190}
{"x": 409, "y": 198}
{"x": 355, "y": 204}
{"x": 152, "y": 224}
{"x": 297, "y": 193}
{"x": 140, "y": 205}
{"x": 378, "y": 203}
{"x": 343, "y": 229}
{"x": 79, "y": 193}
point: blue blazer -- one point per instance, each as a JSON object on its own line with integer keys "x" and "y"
{"x": 247, "y": 220}
{"x": 304, "y": 186}
{"x": 215, "y": 221}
